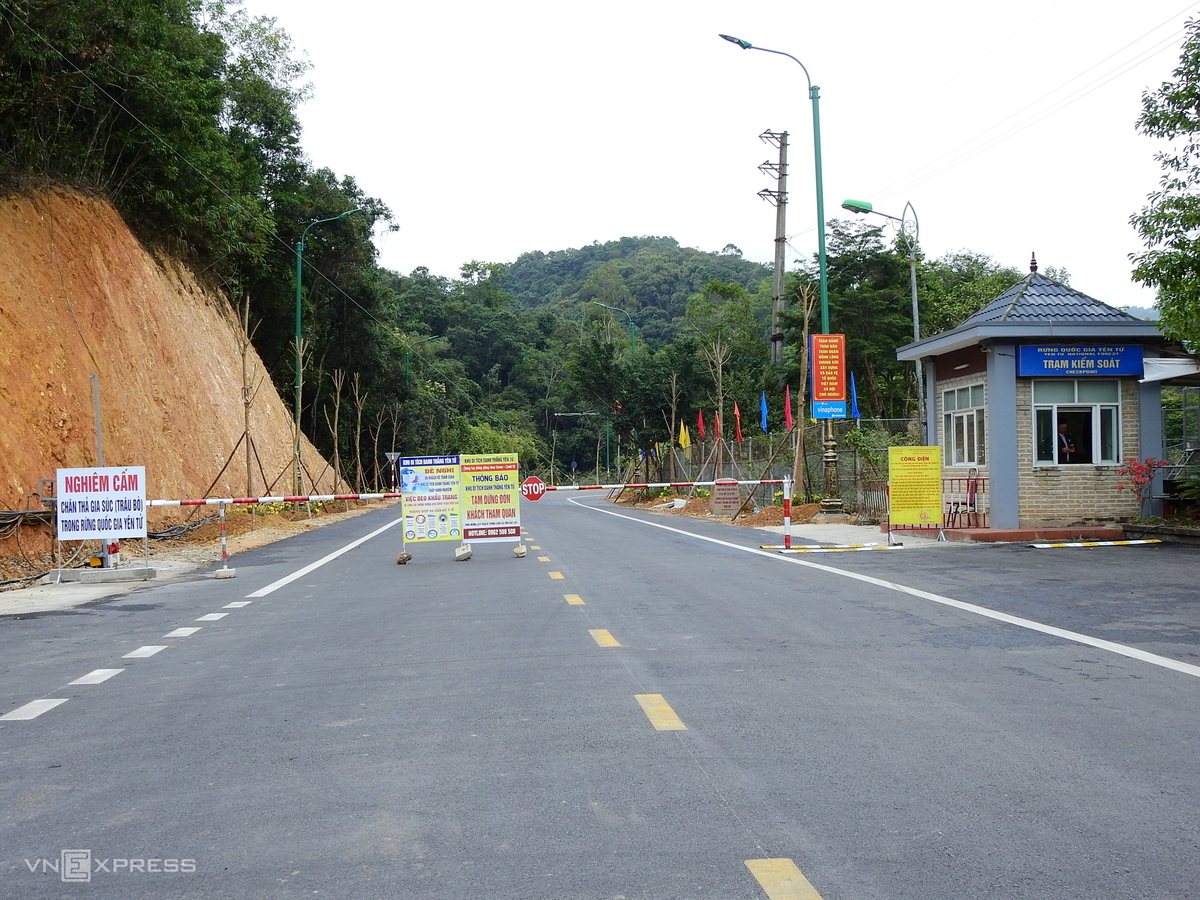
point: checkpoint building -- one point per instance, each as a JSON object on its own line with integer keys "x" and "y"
{"x": 1036, "y": 401}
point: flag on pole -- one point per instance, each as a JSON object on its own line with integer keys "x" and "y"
{"x": 717, "y": 425}
{"x": 700, "y": 423}
{"x": 787, "y": 407}
{"x": 685, "y": 439}
{"x": 853, "y": 399}
{"x": 737, "y": 421}
{"x": 762, "y": 407}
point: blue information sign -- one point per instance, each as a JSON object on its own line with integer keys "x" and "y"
{"x": 1073, "y": 360}
{"x": 829, "y": 409}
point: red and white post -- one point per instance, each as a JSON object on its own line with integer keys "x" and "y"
{"x": 787, "y": 513}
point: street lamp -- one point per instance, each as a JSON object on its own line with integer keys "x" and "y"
{"x": 814, "y": 95}
{"x": 299, "y": 343}
{"x": 632, "y": 340}
{"x": 408, "y": 356}
{"x": 831, "y": 502}
{"x": 910, "y": 231}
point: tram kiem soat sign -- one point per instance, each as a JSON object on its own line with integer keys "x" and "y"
{"x": 827, "y": 360}
{"x": 1074, "y": 360}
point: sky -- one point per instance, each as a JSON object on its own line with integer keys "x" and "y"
{"x": 492, "y": 129}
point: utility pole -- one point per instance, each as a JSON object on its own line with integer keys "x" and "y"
{"x": 779, "y": 198}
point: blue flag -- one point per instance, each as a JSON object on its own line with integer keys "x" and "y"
{"x": 763, "y": 409}
{"x": 854, "y": 399}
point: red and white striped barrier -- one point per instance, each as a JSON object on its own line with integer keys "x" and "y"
{"x": 310, "y": 498}
{"x": 653, "y": 484}
{"x": 324, "y": 498}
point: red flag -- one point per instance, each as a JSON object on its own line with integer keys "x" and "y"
{"x": 737, "y": 415}
{"x": 717, "y": 427}
{"x": 787, "y": 407}
{"x": 700, "y": 423}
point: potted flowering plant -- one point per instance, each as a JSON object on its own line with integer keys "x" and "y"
{"x": 1139, "y": 478}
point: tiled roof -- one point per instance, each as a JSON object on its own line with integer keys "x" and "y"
{"x": 1037, "y": 298}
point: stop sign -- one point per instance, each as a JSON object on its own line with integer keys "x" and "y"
{"x": 532, "y": 488}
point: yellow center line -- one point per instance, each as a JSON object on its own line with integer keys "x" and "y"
{"x": 573, "y": 599}
{"x": 781, "y": 880}
{"x": 543, "y": 559}
{"x": 603, "y": 638}
{"x": 534, "y": 547}
{"x": 556, "y": 575}
{"x": 660, "y": 714}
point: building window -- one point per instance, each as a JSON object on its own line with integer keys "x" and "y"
{"x": 963, "y": 426}
{"x": 1076, "y": 422}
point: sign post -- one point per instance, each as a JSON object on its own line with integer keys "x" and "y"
{"x": 104, "y": 504}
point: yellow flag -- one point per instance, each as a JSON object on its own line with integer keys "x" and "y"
{"x": 685, "y": 439}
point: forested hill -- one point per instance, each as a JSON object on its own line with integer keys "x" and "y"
{"x": 651, "y": 277}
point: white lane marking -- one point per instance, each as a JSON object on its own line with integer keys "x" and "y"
{"x": 212, "y": 617}
{"x": 1074, "y": 636}
{"x": 300, "y": 573}
{"x": 96, "y": 676}
{"x": 236, "y": 604}
{"x": 143, "y": 652}
{"x": 31, "y": 710}
{"x": 181, "y": 632}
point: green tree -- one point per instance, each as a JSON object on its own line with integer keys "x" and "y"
{"x": 1170, "y": 224}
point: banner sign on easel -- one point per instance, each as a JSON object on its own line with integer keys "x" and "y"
{"x": 491, "y": 497}
{"x": 431, "y": 498}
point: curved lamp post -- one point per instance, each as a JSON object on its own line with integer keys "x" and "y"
{"x": 408, "y": 355}
{"x": 299, "y": 341}
{"x": 632, "y": 364}
{"x": 831, "y": 502}
{"x": 910, "y": 231}
{"x": 814, "y": 95}
{"x": 632, "y": 339}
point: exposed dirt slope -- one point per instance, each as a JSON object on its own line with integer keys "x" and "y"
{"x": 79, "y": 295}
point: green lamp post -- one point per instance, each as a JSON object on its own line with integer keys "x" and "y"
{"x": 632, "y": 339}
{"x": 910, "y": 230}
{"x": 831, "y": 502}
{"x": 299, "y": 341}
{"x": 814, "y": 95}
{"x": 408, "y": 356}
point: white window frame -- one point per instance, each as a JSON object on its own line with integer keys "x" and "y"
{"x": 964, "y": 426}
{"x": 1104, "y": 416}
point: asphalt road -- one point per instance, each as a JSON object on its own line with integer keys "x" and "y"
{"x": 656, "y": 709}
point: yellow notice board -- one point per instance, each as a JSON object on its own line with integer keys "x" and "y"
{"x": 491, "y": 495}
{"x": 915, "y": 485}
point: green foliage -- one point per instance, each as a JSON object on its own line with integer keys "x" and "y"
{"x": 1170, "y": 224}
{"x": 651, "y": 277}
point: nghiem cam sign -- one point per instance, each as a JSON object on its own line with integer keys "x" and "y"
{"x": 101, "y": 504}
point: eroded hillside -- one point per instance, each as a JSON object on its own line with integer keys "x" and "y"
{"x": 79, "y": 295}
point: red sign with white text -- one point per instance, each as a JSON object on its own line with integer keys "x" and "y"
{"x": 828, "y": 362}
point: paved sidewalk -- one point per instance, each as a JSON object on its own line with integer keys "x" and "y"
{"x": 50, "y": 597}
{"x": 842, "y": 533}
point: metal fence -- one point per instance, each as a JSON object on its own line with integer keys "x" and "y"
{"x": 862, "y": 454}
